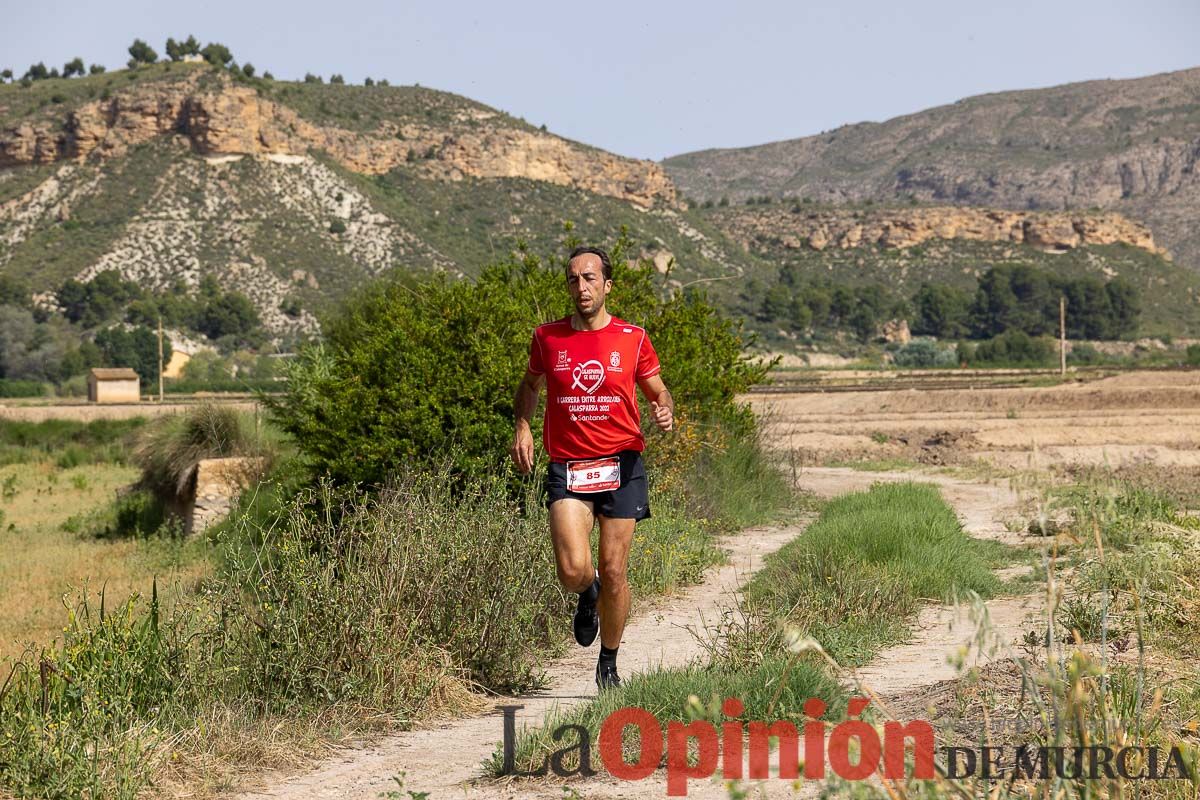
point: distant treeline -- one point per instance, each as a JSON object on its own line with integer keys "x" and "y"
{"x": 1006, "y": 298}
{"x": 215, "y": 53}
{"x": 110, "y": 321}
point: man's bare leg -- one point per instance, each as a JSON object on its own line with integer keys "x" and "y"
{"x": 571, "y": 523}
{"x": 616, "y": 536}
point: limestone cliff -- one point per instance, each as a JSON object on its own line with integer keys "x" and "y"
{"x": 906, "y": 227}
{"x": 231, "y": 119}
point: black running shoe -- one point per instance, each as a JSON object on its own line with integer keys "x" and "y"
{"x": 587, "y": 621}
{"x": 607, "y": 677}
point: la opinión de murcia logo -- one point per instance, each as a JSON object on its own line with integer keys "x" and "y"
{"x": 823, "y": 745}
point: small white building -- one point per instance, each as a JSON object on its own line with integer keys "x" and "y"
{"x": 113, "y": 385}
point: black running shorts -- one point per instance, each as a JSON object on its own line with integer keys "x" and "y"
{"x": 630, "y": 501}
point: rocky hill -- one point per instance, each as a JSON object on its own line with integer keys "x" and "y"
{"x": 1129, "y": 146}
{"x": 296, "y": 193}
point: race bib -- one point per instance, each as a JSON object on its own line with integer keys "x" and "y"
{"x": 595, "y": 475}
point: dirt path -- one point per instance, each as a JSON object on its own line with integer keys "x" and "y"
{"x": 445, "y": 760}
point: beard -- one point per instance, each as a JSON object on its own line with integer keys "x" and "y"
{"x": 588, "y": 313}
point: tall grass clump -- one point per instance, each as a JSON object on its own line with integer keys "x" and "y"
{"x": 861, "y": 570}
{"x": 393, "y": 594}
{"x": 168, "y": 450}
{"x": 170, "y": 447}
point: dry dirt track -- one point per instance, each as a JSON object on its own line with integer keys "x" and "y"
{"x": 1137, "y": 417}
{"x": 445, "y": 760}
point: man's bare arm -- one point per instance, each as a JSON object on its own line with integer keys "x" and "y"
{"x": 524, "y": 404}
{"x": 662, "y": 405}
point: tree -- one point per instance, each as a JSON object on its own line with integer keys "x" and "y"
{"x": 368, "y": 81}
{"x": 384, "y": 82}
{"x": 941, "y": 311}
{"x": 188, "y": 47}
{"x": 230, "y": 313}
{"x": 1126, "y": 305}
{"x": 136, "y": 348}
{"x": 14, "y": 292}
{"x": 216, "y": 54}
{"x": 7, "y": 75}
{"x": 336, "y": 78}
{"x": 96, "y": 69}
{"x": 1016, "y": 297}
{"x": 142, "y": 53}
{"x": 267, "y": 76}
{"x": 73, "y": 67}
{"x": 36, "y": 72}
{"x": 777, "y": 303}
{"x": 98, "y": 300}
{"x": 248, "y": 70}
{"x": 310, "y": 78}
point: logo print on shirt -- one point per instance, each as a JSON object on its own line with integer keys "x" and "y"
{"x": 588, "y": 376}
{"x": 614, "y": 360}
{"x": 562, "y": 358}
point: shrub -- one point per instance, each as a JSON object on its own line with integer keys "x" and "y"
{"x": 337, "y": 226}
{"x": 922, "y": 354}
{"x": 1193, "y": 355}
{"x": 1012, "y": 348}
{"x": 1084, "y": 353}
{"x": 407, "y": 370}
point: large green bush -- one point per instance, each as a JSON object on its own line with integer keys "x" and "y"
{"x": 410, "y": 369}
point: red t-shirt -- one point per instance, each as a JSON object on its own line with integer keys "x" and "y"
{"x": 591, "y": 378}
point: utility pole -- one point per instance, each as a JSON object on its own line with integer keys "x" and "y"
{"x": 1062, "y": 335}
{"x": 160, "y": 364}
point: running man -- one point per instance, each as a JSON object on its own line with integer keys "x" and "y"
{"x": 590, "y": 362}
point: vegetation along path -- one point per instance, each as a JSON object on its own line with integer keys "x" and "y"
{"x": 446, "y": 760}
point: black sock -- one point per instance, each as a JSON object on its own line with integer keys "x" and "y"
{"x": 608, "y": 655}
{"x": 593, "y": 591}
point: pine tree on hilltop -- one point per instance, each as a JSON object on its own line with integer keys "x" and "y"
{"x": 216, "y": 54}
{"x": 141, "y": 53}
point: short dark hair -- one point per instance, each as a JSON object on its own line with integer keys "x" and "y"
{"x": 596, "y": 251}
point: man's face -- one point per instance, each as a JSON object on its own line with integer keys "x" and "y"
{"x": 586, "y": 283}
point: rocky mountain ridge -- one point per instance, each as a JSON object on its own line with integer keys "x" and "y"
{"x": 232, "y": 119}
{"x": 1053, "y": 231}
{"x": 1130, "y": 146}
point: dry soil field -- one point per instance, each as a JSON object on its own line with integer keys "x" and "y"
{"x": 1123, "y": 420}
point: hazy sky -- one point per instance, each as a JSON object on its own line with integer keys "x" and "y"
{"x": 650, "y": 79}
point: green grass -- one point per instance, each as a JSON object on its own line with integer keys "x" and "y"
{"x": 770, "y": 691}
{"x": 853, "y": 581}
{"x": 857, "y": 576}
{"x": 68, "y": 442}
